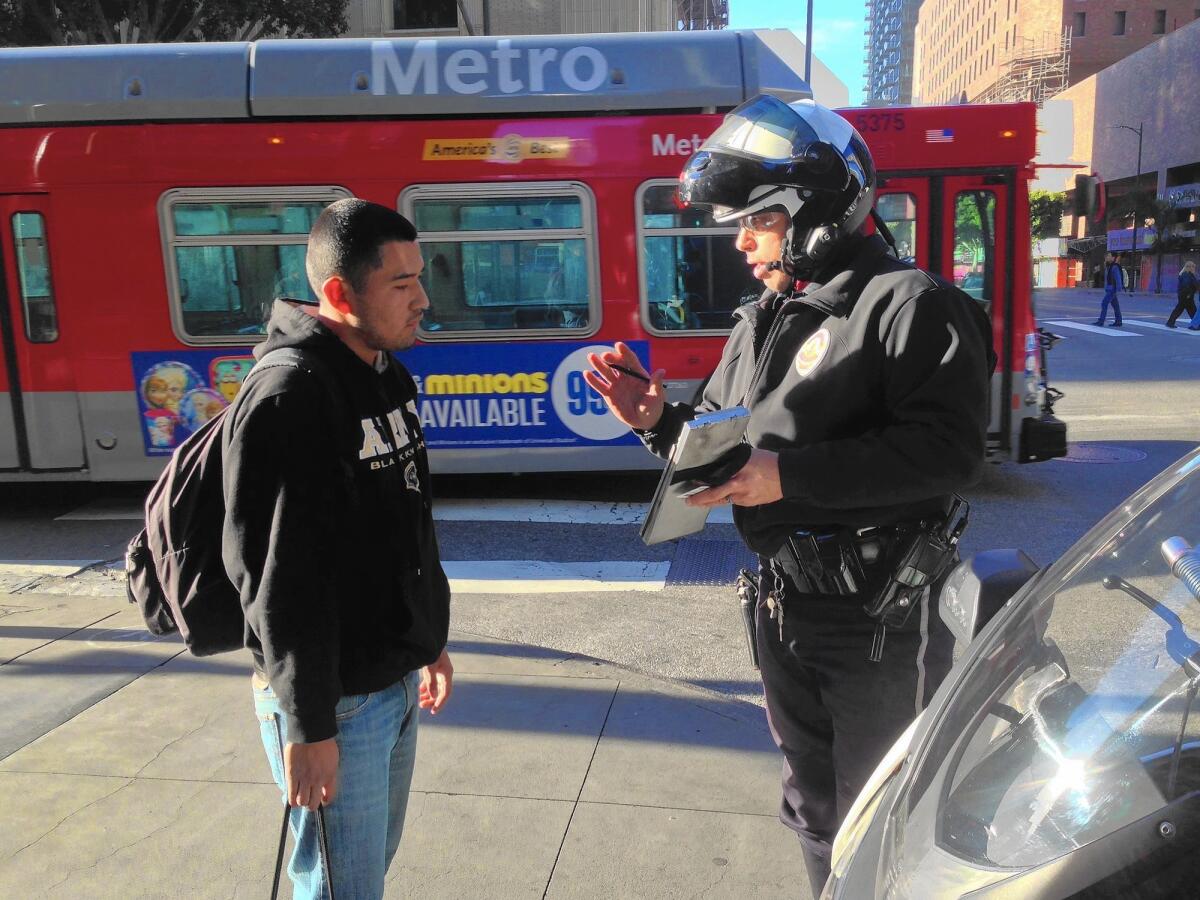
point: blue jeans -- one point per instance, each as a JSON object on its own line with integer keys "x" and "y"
{"x": 1110, "y": 296}
{"x": 377, "y": 745}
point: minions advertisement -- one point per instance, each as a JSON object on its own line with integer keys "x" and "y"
{"x": 178, "y": 392}
{"x": 479, "y": 396}
{"x": 512, "y": 395}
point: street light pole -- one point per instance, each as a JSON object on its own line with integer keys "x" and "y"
{"x": 808, "y": 48}
{"x": 1137, "y": 184}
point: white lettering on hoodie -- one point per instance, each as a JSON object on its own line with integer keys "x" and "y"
{"x": 373, "y": 442}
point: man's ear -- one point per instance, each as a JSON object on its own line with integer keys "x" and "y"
{"x": 335, "y": 292}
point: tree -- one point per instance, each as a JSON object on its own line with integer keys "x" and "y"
{"x": 36, "y": 23}
{"x": 1045, "y": 214}
{"x": 1142, "y": 204}
{"x": 1159, "y": 213}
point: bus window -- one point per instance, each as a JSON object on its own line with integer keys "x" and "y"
{"x": 975, "y": 244}
{"x": 231, "y": 257}
{"x": 900, "y": 213}
{"x": 692, "y": 275}
{"x": 505, "y": 258}
{"x": 33, "y": 273}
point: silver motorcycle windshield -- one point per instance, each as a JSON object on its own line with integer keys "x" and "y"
{"x": 1074, "y": 716}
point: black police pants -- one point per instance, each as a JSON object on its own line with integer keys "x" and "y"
{"x": 834, "y": 713}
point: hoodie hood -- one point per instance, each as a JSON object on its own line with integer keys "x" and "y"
{"x": 291, "y": 325}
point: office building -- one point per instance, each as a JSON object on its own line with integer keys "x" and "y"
{"x": 1010, "y": 50}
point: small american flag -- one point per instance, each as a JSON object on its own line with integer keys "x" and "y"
{"x": 939, "y": 136}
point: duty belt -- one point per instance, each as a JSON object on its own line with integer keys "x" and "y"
{"x": 889, "y": 568}
{"x": 841, "y": 562}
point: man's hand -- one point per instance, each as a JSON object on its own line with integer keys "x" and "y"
{"x": 311, "y": 771}
{"x": 755, "y": 483}
{"x": 437, "y": 681}
{"x": 638, "y": 402}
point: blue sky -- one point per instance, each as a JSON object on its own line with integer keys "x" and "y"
{"x": 837, "y": 31}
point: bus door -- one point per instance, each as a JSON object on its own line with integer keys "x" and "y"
{"x": 904, "y": 203}
{"x": 976, "y": 236}
{"x": 40, "y": 425}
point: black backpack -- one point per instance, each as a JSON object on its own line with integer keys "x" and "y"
{"x": 174, "y": 568}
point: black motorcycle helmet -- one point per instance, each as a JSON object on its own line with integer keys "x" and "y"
{"x": 801, "y": 158}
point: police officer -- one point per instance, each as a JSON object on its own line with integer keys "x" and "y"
{"x": 867, "y": 382}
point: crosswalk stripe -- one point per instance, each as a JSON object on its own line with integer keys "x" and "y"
{"x": 504, "y": 576}
{"x": 1094, "y": 329}
{"x": 105, "y": 511}
{"x": 1158, "y": 326}
{"x": 33, "y": 568}
{"x": 526, "y": 576}
{"x": 564, "y": 512}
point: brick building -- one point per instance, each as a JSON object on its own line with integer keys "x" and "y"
{"x": 1030, "y": 49}
{"x": 1155, "y": 90}
{"x": 1104, "y": 31}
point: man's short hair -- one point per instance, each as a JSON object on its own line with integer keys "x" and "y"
{"x": 346, "y": 238}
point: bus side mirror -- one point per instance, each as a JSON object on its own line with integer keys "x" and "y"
{"x": 1087, "y": 196}
{"x": 978, "y": 587}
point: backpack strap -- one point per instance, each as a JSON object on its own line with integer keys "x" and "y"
{"x": 331, "y": 385}
{"x": 294, "y": 358}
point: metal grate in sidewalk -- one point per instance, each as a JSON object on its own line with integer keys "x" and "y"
{"x": 709, "y": 562}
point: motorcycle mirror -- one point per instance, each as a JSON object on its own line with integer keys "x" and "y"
{"x": 978, "y": 587}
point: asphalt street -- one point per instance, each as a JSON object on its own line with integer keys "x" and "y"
{"x": 1130, "y": 405}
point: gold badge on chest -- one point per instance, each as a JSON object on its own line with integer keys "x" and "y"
{"x": 812, "y": 352}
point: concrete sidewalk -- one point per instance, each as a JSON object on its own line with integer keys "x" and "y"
{"x": 130, "y": 769}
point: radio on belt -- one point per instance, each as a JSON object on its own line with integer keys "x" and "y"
{"x": 921, "y": 557}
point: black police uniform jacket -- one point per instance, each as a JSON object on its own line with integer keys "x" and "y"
{"x": 871, "y": 386}
{"x": 329, "y": 526}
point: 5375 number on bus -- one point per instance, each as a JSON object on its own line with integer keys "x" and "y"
{"x": 879, "y": 121}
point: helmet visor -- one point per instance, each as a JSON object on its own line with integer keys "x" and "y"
{"x": 764, "y": 128}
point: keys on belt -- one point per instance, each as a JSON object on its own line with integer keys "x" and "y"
{"x": 775, "y": 598}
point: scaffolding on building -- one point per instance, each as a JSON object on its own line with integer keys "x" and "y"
{"x": 1035, "y": 70}
{"x": 702, "y": 15}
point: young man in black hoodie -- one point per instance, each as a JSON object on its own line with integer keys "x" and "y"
{"x": 329, "y": 538}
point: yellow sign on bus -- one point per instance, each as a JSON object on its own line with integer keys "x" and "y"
{"x": 512, "y": 148}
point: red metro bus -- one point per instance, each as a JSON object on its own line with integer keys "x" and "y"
{"x": 154, "y": 200}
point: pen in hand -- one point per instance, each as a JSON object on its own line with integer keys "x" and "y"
{"x": 627, "y": 371}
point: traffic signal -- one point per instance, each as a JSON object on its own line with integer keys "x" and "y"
{"x": 1089, "y": 197}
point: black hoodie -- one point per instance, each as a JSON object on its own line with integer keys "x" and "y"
{"x": 329, "y": 526}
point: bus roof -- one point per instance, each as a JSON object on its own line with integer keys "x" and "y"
{"x": 688, "y": 70}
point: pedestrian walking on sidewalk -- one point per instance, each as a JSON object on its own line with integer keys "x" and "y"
{"x": 867, "y": 384}
{"x": 1186, "y": 295}
{"x": 1114, "y": 283}
{"x": 329, "y": 539}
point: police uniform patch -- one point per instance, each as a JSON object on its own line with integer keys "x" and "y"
{"x": 812, "y": 352}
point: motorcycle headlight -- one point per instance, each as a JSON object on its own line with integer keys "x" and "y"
{"x": 1033, "y": 771}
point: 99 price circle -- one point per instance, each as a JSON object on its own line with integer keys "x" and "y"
{"x": 577, "y": 406}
